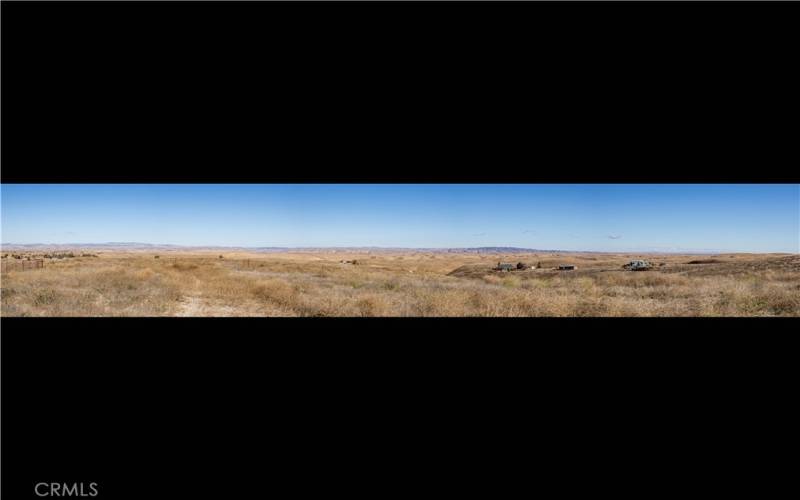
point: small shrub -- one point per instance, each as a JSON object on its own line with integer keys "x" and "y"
{"x": 180, "y": 266}
{"x": 45, "y": 297}
{"x": 391, "y": 285}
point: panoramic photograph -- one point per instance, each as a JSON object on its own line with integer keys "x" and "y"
{"x": 400, "y": 250}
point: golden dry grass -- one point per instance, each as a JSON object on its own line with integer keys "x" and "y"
{"x": 419, "y": 284}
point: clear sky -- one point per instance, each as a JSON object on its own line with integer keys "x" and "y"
{"x": 598, "y": 217}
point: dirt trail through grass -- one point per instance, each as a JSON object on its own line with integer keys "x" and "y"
{"x": 193, "y": 304}
{"x": 190, "y": 306}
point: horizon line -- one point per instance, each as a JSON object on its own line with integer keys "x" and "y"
{"x": 344, "y": 247}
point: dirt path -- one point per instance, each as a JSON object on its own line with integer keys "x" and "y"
{"x": 190, "y": 306}
{"x": 192, "y": 303}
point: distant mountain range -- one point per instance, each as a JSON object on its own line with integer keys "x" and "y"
{"x": 133, "y": 246}
{"x": 114, "y": 245}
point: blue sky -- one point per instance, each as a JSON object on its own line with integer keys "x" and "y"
{"x": 594, "y": 217}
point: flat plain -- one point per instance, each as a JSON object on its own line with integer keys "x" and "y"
{"x": 399, "y": 284}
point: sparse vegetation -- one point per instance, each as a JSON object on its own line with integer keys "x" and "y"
{"x": 130, "y": 284}
{"x": 64, "y": 255}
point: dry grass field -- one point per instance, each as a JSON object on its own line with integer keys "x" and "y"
{"x": 402, "y": 284}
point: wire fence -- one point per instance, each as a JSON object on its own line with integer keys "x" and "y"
{"x": 21, "y": 265}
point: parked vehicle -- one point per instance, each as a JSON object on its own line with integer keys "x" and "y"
{"x": 638, "y": 265}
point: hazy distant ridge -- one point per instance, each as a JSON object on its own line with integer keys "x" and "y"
{"x": 152, "y": 246}
{"x": 133, "y": 246}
